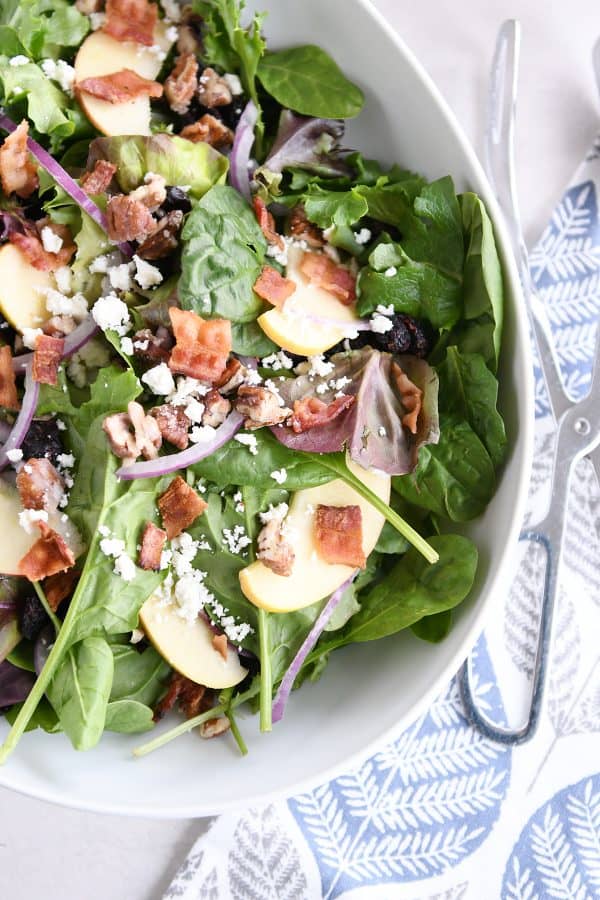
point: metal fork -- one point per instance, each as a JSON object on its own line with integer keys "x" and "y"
{"x": 578, "y": 423}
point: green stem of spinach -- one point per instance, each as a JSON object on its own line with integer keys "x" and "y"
{"x": 44, "y": 601}
{"x": 236, "y": 732}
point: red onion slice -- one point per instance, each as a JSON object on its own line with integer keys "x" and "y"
{"x": 164, "y": 465}
{"x": 73, "y": 342}
{"x": 23, "y": 421}
{"x": 287, "y": 682}
{"x": 239, "y": 160}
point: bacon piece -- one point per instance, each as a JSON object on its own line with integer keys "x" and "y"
{"x": 60, "y": 586}
{"x": 49, "y": 555}
{"x": 18, "y": 173}
{"x": 312, "y": 412}
{"x": 173, "y": 424}
{"x": 39, "y": 485}
{"x": 260, "y": 406}
{"x": 304, "y": 230}
{"x": 201, "y": 347}
{"x": 219, "y": 642}
{"x": 128, "y": 219}
{"x": 153, "y": 542}
{"x": 97, "y": 181}
{"x": 163, "y": 240}
{"x": 182, "y": 83}
{"x": 193, "y": 698}
{"x": 338, "y": 535}
{"x": 326, "y": 274}
{"x": 120, "y": 87}
{"x": 273, "y": 287}
{"x": 131, "y": 20}
{"x": 213, "y": 90}
{"x": 179, "y": 507}
{"x": 216, "y": 409}
{"x": 208, "y": 130}
{"x": 8, "y": 387}
{"x": 267, "y": 222}
{"x": 132, "y": 433}
{"x": 29, "y": 242}
{"x": 411, "y": 396}
{"x": 46, "y": 358}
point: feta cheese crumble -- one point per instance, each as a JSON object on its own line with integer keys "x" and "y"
{"x": 389, "y": 273}
{"x": 194, "y": 411}
{"x": 59, "y": 71}
{"x": 319, "y": 366}
{"x": 202, "y": 434}
{"x": 159, "y": 379}
{"x": 249, "y": 441}
{"x": 146, "y": 275}
{"x": 279, "y": 475}
{"x": 381, "y": 324}
{"x": 60, "y": 305}
{"x": 120, "y": 277}
{"x": 236, "y": 539}
{"x": 127, "y": 346}
{"x": 363, "y": 236}
{"x": 51, "y": 241}
{"x": 29, "y": 337}
{"x": 110, "y": 313}
{"x": 15, "y": 455}
{"x": 233, "y": 83}
{"x": 28, "y": 518}
{"x": 278, "y": 360}
{"x": 19, "y": 60}
{"x": 114, "y": 548}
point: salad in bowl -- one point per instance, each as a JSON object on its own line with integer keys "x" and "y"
{"x": 248, "y": 376}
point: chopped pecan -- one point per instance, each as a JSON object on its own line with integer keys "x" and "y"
{"x": 233, "y": 375}
{"x": 153, "y": 347}
{"x": 179, "y": 507}
{"x": 202, "y": 346}
{"x": 128, "y": 219}
{"x": 338, "y": 535}
{"x": 39, "y": 485}
{"x": 326, "y": 274}
{"x": 131, "y": 20}
{"x": 182, "y": 83}
{"x": 213, "y": 90}
{"x": 214, "y": 727}
{"x": 46, "y": 358}
{"x": 273, "y": 287}
{"x": 208, "y": 130}
{"x": 304, "y": 230}
{"x": 164, "y": 239}
{"x": 132, "y": 434}
{"x": 60, "y": 586}
{"x": 216, "y": 409}
{"x": 120, "y": 87}
{"x": 8, "y": 387}
{"x": 49, "y": 555}
{"x": 266, "y": 222}
{"x": 173, "y": 424}
{"x": 260, "y": 406}
{"x": 18, "y": 173}
{"x": 192, "y": 698}
{"x": 98, "y": 180}
{"x": 152, "y": 193}
{"x": 151, "y": 547}
{"x": 273, "y": 549}
{"x": 411, "y": 396}
{"x": 311, "y": 412}
{"x": 219, "y": 642}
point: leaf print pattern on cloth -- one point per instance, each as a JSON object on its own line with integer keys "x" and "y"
{"x": 558, "y": 852}
{"x": 419, "y": 806}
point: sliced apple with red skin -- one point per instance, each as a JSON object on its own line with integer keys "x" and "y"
{"x": 188, "y": 646}
{"x": 296, "y": 327}
{"x": 100, "y": 54}
{"x": 312, "y": 578}
{"x": 22, "y": 299}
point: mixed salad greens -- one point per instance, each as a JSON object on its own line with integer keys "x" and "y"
{"x": 247, "y": 376}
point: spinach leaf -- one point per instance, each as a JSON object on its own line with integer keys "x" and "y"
{"x": 249, "y": 339}
{"x": 327, "y": 208}
{"x": 307, "y": 80}
{"x": 454, "y": 478}
{"x": 44, "y": 717}
{"x": 390, "y": 541}
{"x": 80, "y": 689}
{"x": 138, "y": 676}
{"x": 433, "y": 628}
{"x": 128, "y": 717}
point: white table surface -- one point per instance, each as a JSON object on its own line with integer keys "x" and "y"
{"x": 60, "y": 854}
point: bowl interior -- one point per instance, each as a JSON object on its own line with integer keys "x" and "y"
{"x": 366, "y": 690}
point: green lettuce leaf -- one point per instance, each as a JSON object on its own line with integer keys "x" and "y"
{"x": 43, "y": 28}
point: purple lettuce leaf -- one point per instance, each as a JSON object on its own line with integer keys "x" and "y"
{"x": 15, "y": 684}
{"x": 307, "y": 143}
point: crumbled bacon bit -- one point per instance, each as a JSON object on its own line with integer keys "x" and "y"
{"x": 260, "y": 406}
{"x": 18, "y": 173}
{"x": 39, "y": 485}
{"x": 132, "y": 434}
{"x": 49, "y": 555}
{"x": 208, "y": 130}
{"x": 179, "y": 507}
{"x": 152, "y": 193}
{"x": 274, "y": 551}
{"x": 152, "y": 545}
{"x": 202, "y": 347}
{"x": 213, "y": 90}
{"x": 98, "y": 180}
{"x": 182, "y": 83}
{"x": 411, "y": 396}
{"x": 233, "y": 375}
{"x": 193, "y": 698}
{"x": 153, "y": 347}
{"x": 338, "y": 535}
{"x": 273, "y": 287}
{"x": 325, "y": 273}
{"x": 173, "y": 424}
{"x": 216, "y": 409}
{"x": 312, "y": 412}
{"x": 128, "y": 219}
{"x": 120, "y": 87}
{"x": 131, "y": 20}
{"x": 304, "y": 230}
{"x": 8, "y": 387}
{"x": 60, "y": 586}
{"x": 215, "y": 727}
{"x": 46, "y": 358}
{"x": 30, "y": 244}
{"x": 163, "y": 241}
{"x": 266, "y": 222}
{"x": 219, "y": 642}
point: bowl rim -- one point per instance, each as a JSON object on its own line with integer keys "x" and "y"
{"x": 493, "y": 597}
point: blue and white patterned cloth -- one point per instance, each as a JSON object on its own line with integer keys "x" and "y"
{"x": 441, "y": 813}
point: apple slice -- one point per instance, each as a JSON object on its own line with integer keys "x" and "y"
{"x": 312, "y": 578}
{"x": 188, "y": 646}
{"x": 22, "y": 301}
{"x": 101, "y": 54}
{"x": 296, "y": 328}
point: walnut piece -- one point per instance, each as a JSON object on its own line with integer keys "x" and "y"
{"x": 173, "y": 423}
{"x": 216, "y": 409}
{"x": 133, "y": 434}
{"x": 273, "y": 549}
{"x": 182, "y": 83}
{"x": 213, "y": 90}
{"x": 152, "y": 193}
{"x": 208, "y": 130}
{"x": 214, "y": 727}
{"x": 163, "y": 240}
{"x": 260, "y": 406}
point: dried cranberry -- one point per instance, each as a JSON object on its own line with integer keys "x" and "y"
{"x": 31, "y": 615}
{"x": 42, "y": 440}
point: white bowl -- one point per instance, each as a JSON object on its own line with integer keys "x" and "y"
{"x": 370, "y": 690}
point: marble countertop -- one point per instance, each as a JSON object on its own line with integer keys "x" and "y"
{"x": 57, "y": 853}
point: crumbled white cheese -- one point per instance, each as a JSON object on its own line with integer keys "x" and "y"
{"x": 59, "y": 71}
{"x": 63, "y": 278}
{"x": 51, "y": 241}
{"x": 381, "y": 431}
{"x": 29, "y": 336}
{"x": 233, "y": 83}
{"x": 389, "y": 273}
{"x": 172, "y": 34}
{"x": 112, "y": 546}
{"x": 239, "y": 505}
{"x": 274, "y": 512}
{"x": 202, "y": 434}
{"x": 338, "y": 384}
{"x": 19, "y": 60}
{"x": 385, "y": 310}
{"x": 319, "y": 366}
{"x": 60, "y": 305}
{"x": 166, "y": 557}
{"x": 97, "y": 20}
{"x": 127, "y": 346}
{"x": 65, "y": 460}
{"x": 61, "y": 425}
{"x": 159, "y": 379}
{"x": 249, "y": 441}
{"x": 278, "y": 253}
{"x": 120, "y": 277}
{"x": 187, "y": 387}
{"x": 194, "y": 410}
{"x": 99, "y": 265}
{"x": 363, "y": 236}
{"x": 191, "y": 595}
{"x": 279, "y": 475}
{"x": 183, "y": 552}
{"x": 322, "y": 388}
{"x": 278, "y": 360}
{"x": 253, "y": 377}
{"x": 146, "y": 275}
{"x": 28, "y": 518}
{"x": 15, "y": 455}
{"x": 141, "y": 345}
{"x": 236, "y": 539}
{"x": 125, "y": 567}
{"x": 110, "y": 313}
{"x": 381, "y": 324}
{"x": 104, "y": 530}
